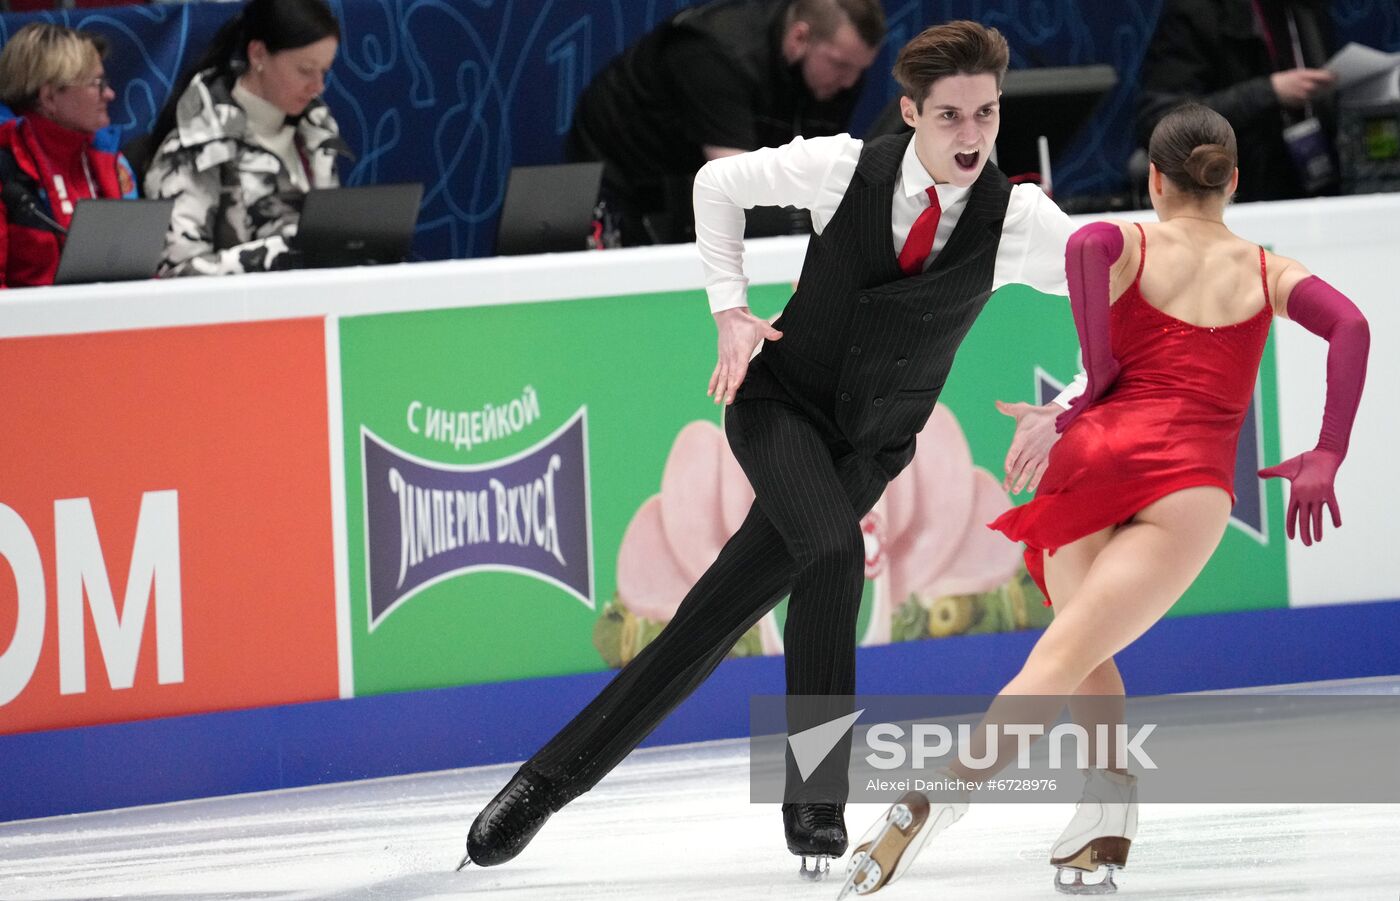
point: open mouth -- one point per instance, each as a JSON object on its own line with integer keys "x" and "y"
{"x": 968, "y": 161}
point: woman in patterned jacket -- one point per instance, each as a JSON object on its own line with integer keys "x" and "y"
{"x": 245, "y": 138}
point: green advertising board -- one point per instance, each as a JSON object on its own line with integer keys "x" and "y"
{"x": 507, "y": 516}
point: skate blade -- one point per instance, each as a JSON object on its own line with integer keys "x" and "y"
{"x": 821, "y": 868}
{"x": 872, "y": 863}
{"x": 1105, "y": 886}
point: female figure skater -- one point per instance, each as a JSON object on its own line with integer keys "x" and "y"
{"x": 1138, "y": 491}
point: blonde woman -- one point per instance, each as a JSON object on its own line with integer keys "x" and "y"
{"x": 52, "y": 77}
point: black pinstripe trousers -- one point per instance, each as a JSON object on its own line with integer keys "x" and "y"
{"x": 801, "y": 538}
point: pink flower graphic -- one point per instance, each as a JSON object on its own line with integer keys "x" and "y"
{"x": 927, "y": 536}
{"x": 678, "y": 533}
{"x": 938, "y": 542}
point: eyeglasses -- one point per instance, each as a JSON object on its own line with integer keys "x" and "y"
{"x": 101, "y": 82}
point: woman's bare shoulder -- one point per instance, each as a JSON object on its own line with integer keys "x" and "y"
{"x": 1283, "y": 275}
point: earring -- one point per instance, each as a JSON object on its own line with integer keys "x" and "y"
{"x": 260, "y": 68}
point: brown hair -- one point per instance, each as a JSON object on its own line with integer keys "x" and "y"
{"x": 826, "y": 16}
{"x": 954, "y": 48}
{"x": 1195, "y": 147}
{"x": 43, "y": 53}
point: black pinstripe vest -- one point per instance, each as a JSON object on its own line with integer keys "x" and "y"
{"x": 865, "y": 349}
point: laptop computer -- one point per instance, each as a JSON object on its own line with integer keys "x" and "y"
{"x": 358, "y": 226}
{"x": 548, "y": 209}
{"x": 114, "y": 241}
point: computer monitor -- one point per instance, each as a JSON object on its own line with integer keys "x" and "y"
{"x": 548, "y": 209}
{"x": 1054, "y": 102}
{"x": 1368, "y": 142}
{"x": 114, "y": 241}
{"x": 358, "y": 226}
{"x": 773, "y": 221}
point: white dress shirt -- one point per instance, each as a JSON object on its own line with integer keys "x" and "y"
{"x": 814, "y": 173}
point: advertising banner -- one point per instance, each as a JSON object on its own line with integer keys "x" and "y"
{"x": 494, "y": 457}
{"x": 165, "y": 524}
{"x": 532, "y": 489}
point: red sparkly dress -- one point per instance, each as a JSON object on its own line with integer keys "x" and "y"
{"x": 1171, "y": 421}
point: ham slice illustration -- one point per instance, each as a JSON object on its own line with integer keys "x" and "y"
{"x": 927, "y": 536}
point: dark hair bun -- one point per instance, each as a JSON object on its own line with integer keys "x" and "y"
{"x": 1210, "y": 166}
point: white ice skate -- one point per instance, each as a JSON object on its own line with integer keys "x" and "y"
{"x": 1105, "y": 821}
{"x": 887, "y": 849}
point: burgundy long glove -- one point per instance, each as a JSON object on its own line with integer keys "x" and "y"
{"x": 1326, "y": 312}
{"x": 1089, "y": 255}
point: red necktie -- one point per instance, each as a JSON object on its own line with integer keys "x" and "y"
{"x": 919, "y": 244}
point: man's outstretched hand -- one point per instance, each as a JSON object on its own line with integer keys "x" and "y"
{"x": 1030, "y": 446}
{"x": 740, "y": 332}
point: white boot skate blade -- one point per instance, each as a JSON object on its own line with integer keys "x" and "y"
{"x": 1105, "y": 886}
{"x": 898, "y": 818}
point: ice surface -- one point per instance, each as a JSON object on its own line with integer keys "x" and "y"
{"x": 670, "y": 824}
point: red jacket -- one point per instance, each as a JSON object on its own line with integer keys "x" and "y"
{"x": 30, "y": 247}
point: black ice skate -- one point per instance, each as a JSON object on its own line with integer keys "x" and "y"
{"x": 817, "y": 831}
{"x": 505, "y": 826}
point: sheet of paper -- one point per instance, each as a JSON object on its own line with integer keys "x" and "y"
{"x": 1356, "y": 63}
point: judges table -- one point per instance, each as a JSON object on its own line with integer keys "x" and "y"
{"x": 230, "y": 494}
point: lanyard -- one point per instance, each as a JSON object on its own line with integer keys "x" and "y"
{"x": 1296, "y": 44}
{"x": 1267, "y": 34}
{"x": 53, "y": 177}
{"x": 1264, "y": 31}
{"x": 1298, "y": 54}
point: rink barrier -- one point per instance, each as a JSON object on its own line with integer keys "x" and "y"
{"x": 178, "y": 758}
{"x": 267, "y": 735}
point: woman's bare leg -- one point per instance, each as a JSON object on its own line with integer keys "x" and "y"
{"x": 1124, "y": 587}
{"x": 1098, "y": 701}
{"x": 1142, "y": 570}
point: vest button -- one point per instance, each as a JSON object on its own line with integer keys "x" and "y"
{"x": 855, "y": 350}
{"x": 845, "y": 397}
{"x": 865, "y": 298}
{"x": 902, "y": 361}
{"x": 879, "y": 401}
{"x": 927, "y": 317}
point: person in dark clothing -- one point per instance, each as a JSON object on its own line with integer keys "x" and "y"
{"x": 713, "y": 80}
{"x": 1257, "y": 63}
{"x": 913, "y": 233}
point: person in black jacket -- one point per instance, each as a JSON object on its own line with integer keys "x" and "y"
{"x": 913, "y": 233}
{"x": 1257, "y": 63}
{"x": 717, "y": 79}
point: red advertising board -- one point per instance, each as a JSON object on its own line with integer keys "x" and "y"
{"x": 165, "y": 523}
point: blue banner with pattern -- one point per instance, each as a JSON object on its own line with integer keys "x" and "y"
{"x": 453, "y": 93}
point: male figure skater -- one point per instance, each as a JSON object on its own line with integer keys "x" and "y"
{"x": 912, "y": 234}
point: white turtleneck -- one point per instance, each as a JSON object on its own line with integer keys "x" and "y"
{"x": 267, "y": 125}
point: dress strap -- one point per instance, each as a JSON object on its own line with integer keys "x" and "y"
{"x": 1264, "y": 276}
{"x": 1142, "y": 252}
